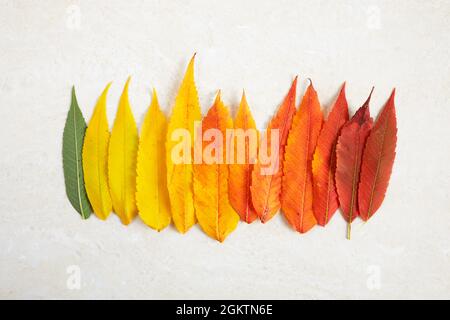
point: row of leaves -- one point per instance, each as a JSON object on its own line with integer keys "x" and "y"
{"x": 323, "y": 165}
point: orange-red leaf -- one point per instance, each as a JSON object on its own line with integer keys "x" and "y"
{"x": 324, "y": 161}
{"x": 212, "y": 207}
{"x": 266, "y": 189}
{"x": 348, "y": 161}
{"x": 377, "y": 161}
{"x": 241, "y": 169}
{"x": 297, "y": 188}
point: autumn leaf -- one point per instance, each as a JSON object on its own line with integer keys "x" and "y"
{"x": 95, "y": 159}
{"x": 297, "y": 188}
{"x": 324, "y": 162}
{"x": 349, "y": 151}
{"x": 123, "y": 147}
{"x": 179, "y": 175}
{"x": 241, "y": 169}
{"x": 377, "y": 161}
{"x": 213, "y": 210}
{"x": 152, "y": 197}
{"x": 266, "y": 188}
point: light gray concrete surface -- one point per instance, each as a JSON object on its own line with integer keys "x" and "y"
{"x": 47, "y": 46}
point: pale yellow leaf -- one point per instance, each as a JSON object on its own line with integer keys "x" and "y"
{"x": 95, "y": 159}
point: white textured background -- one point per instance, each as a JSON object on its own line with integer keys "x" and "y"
{"x": 47, "y": 46}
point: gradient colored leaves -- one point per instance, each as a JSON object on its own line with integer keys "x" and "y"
{"x": 317, "y": 167}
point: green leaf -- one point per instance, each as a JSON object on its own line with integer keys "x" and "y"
{"x": 73, "y": 138}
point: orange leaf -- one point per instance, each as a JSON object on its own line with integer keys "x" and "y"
{"x": 212, "y": 207}
{"x": 348, "y": 161}
{"x": 377, "y": 161}
{"x": 324, "y": 161}
{"x": 297, "y": 189}
{"x": 241, "y": 169}
{"x": 266, "y": 189}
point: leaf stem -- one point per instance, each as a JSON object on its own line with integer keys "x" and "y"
{"x": 349, "y": 230}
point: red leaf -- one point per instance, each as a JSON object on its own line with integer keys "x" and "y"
{"x": 324, "y": 164}
{"x": 377, "y": 161}
{"x": 349, "y": 151}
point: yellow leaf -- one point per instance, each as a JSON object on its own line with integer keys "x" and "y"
{"x": 212, "y": 207}
{"x": 152, "y": 198}
{"x": 179, "y": 175}
{"x": 122, "y": 160}
{"x": 95, "y": 159}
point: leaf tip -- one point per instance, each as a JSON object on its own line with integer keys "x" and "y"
{"x": 218, "y": 97}
{"x": 370, "y": 96}
{"x": 293, "y": 88}
{"x": 191, "y": 62}
{"x": 128, "y": 82}
{"x": 74, "y": 96}
{"x": 74, "y": 101}
{"x": 342, "y": 94}
{"x": 392, "y": 94}
{"x": 244, "y": 102}
{"x": 294, "y": 83}
{"x": 365, "y": 106}
{"x": 125, "y": 88}
{"x": 154, "y": 101}
{"x": 189, "y": 75}
{"x": 105, "y": 91}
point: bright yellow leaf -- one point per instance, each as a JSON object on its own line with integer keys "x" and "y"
{"x": 123, "y": 147}
{"x": 152, "y": 198}
{"x": 179, "y": 175}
